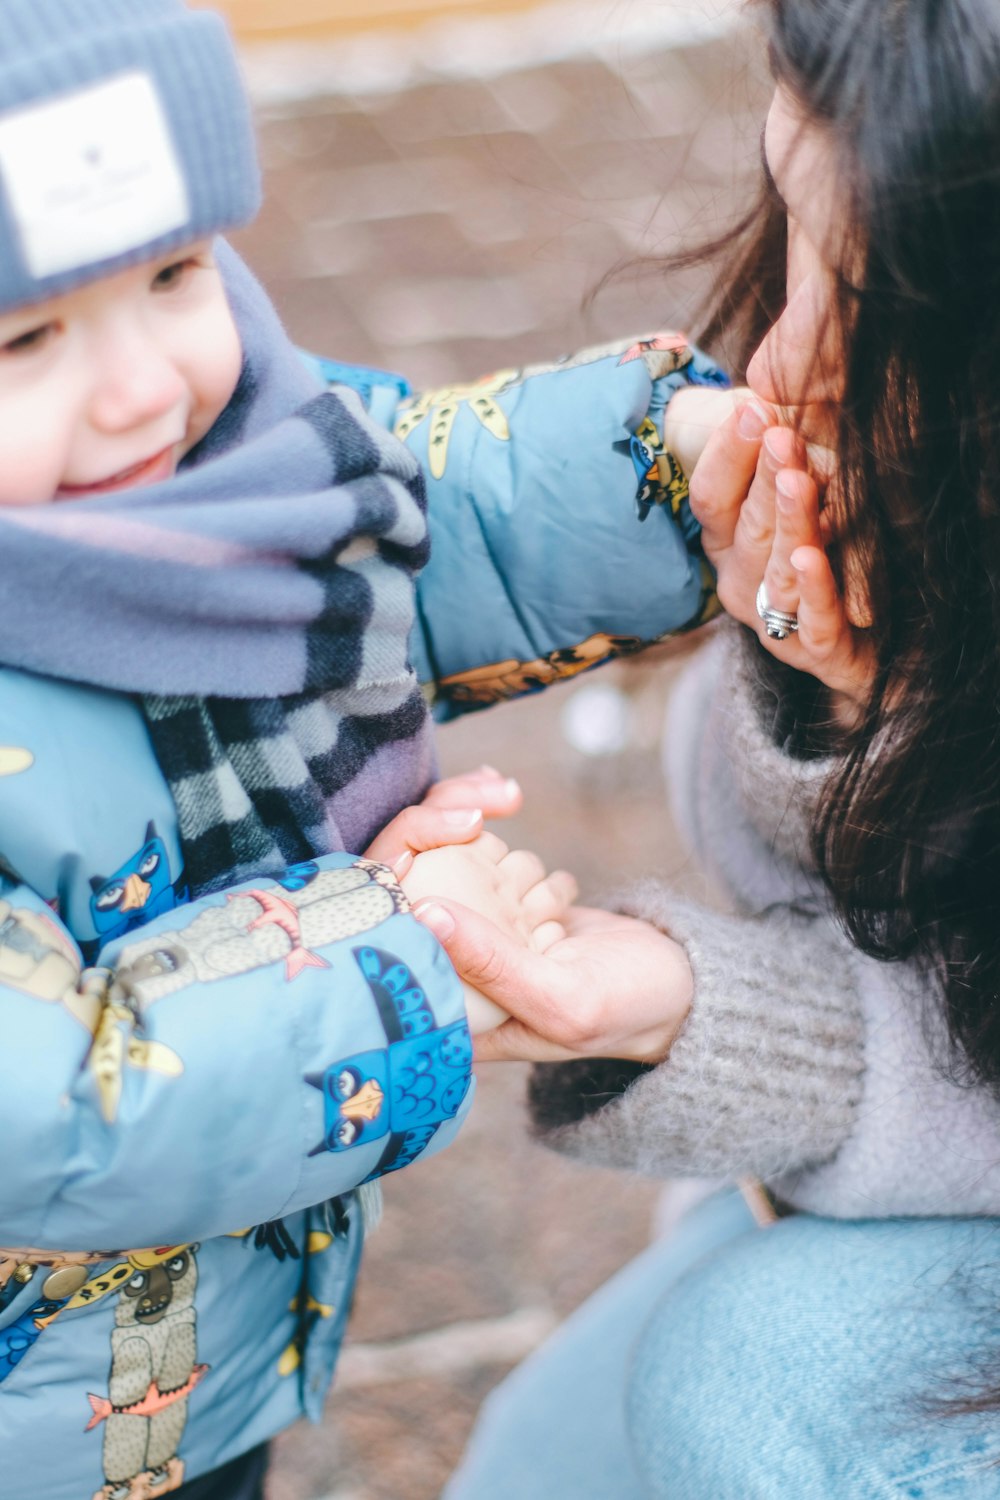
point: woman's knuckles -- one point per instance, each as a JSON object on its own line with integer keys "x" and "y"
{"x": 755, "y": 527}
{"x": 735, "y": 595}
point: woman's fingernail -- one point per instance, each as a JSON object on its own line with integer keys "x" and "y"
{"x": 403, "y": 864}
{"x": 784, "y": 496}
{"x": 511, "y": 787}
{"x": 440, "y": 921}
{"x": 752, "y": 421}
{"x": 462, "y": 818}
{"x": 487, "y": 770}
{"x": 773, "y": 456}
{"x": 797, "y": 559}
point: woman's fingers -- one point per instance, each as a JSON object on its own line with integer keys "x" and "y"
{"x": 796, "y": 524}
{"x": 821, "y": 614}
{"x": 452, "y": 812}
{"x": 725, "y": 472}
{"x": 489, "y": 960}
{"x": 755, "y": 529}
{"x": 496, "y": 795}
{"x": 842, "y": 656}
{"x": 417, "y": 829}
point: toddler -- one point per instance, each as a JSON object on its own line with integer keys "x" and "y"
{"x": 220, "y": 1028}
{"x": 216, "y": 1026}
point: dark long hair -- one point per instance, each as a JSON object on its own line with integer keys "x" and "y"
{"x": 907, "y": 838}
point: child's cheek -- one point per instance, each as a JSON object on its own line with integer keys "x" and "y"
{"x": 30, "y": 455}
{"x": 219, "y": 361}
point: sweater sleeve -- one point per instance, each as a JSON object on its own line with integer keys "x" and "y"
{"x": 765, "y": 1076}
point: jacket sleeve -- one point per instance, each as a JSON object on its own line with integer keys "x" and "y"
{"x": 560, "y": 527}
{"x": 239, "y": 1058}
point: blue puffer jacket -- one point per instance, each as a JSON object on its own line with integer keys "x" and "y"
{"x": 192, "y": 1092}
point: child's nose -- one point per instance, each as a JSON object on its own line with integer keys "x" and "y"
{"x": 136, "y": 382}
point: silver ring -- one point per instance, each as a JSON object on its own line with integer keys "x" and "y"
{"x": 778, "y": 623}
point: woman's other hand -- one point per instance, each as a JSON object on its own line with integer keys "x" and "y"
{"x": 451, "y": 813}
{"x": 757, "y": 491}
{"x": 611, "y": 987}
{"x": 508, "y": 887}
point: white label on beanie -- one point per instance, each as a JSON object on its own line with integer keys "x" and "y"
{"x": 92, "y": 175}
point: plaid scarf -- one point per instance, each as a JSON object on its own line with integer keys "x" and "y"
{"x": 259, "y": 604}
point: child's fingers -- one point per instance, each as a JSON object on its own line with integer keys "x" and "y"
{"x": 493, "y": 848}
{"x": 523, "y": 871}
{"x": 550, "y": 897}
{"x": 547, "y": 935}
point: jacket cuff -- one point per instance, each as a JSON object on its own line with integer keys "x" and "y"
{"x": 765, "y": 1076}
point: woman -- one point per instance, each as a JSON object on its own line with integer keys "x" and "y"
{"x": 836, "y": 763}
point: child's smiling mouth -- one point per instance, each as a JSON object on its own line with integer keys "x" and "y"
{"x": 149, "y": 471}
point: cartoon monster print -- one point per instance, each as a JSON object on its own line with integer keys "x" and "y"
{"x": 442, "y": 407}
{"x": 307, "y": 1309}
{"x": 18, "y": 1267}
{"x": 39, "y": 959}
{"x": 500, "y": 680}
{"x": 267, "y": 925}
{"x": 662, "y": 353}
{"x": 14, "y": 759}
{"x": 153, "y": 1372}
{"x": 36, "y": 956}
{"x": 660, "y": 480}
{"x": 400, "y": 1094}
{"x": 139, "y": 890}
{"x": 17, "y": 1270}
{"x": 116, "y": 1046}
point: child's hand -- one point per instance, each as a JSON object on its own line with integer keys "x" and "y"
{"x": 510, "y": 888}
{"x": 693, "y": 414}
{"x": 451, "y": 813}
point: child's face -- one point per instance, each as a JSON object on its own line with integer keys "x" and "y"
{"x": 107, "y": 387}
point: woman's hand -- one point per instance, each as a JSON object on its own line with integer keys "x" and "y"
{"x": 757, "y": 492}
{"x": 451, "y": 813}
{"x": 508, "y": 887}
{"x": 611, "y": 987}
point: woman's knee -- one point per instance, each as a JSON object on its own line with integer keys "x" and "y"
{"x": 793, "y": 1362}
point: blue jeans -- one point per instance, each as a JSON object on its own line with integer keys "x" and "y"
{"x": 733, "y": 1363}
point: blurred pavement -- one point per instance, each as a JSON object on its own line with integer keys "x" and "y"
{"x": 443, "y": 210}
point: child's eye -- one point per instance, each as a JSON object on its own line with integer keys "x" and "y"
{"x": 168, "y": 278}
{"x": 30, "y": 341}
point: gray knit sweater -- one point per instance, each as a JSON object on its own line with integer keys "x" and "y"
{"x": 802, "y": 1062}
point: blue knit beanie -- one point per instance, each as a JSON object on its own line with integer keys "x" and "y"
{"x": 125, "y": 133}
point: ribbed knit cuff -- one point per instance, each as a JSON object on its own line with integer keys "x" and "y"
{"x": 765, "y": 1076}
